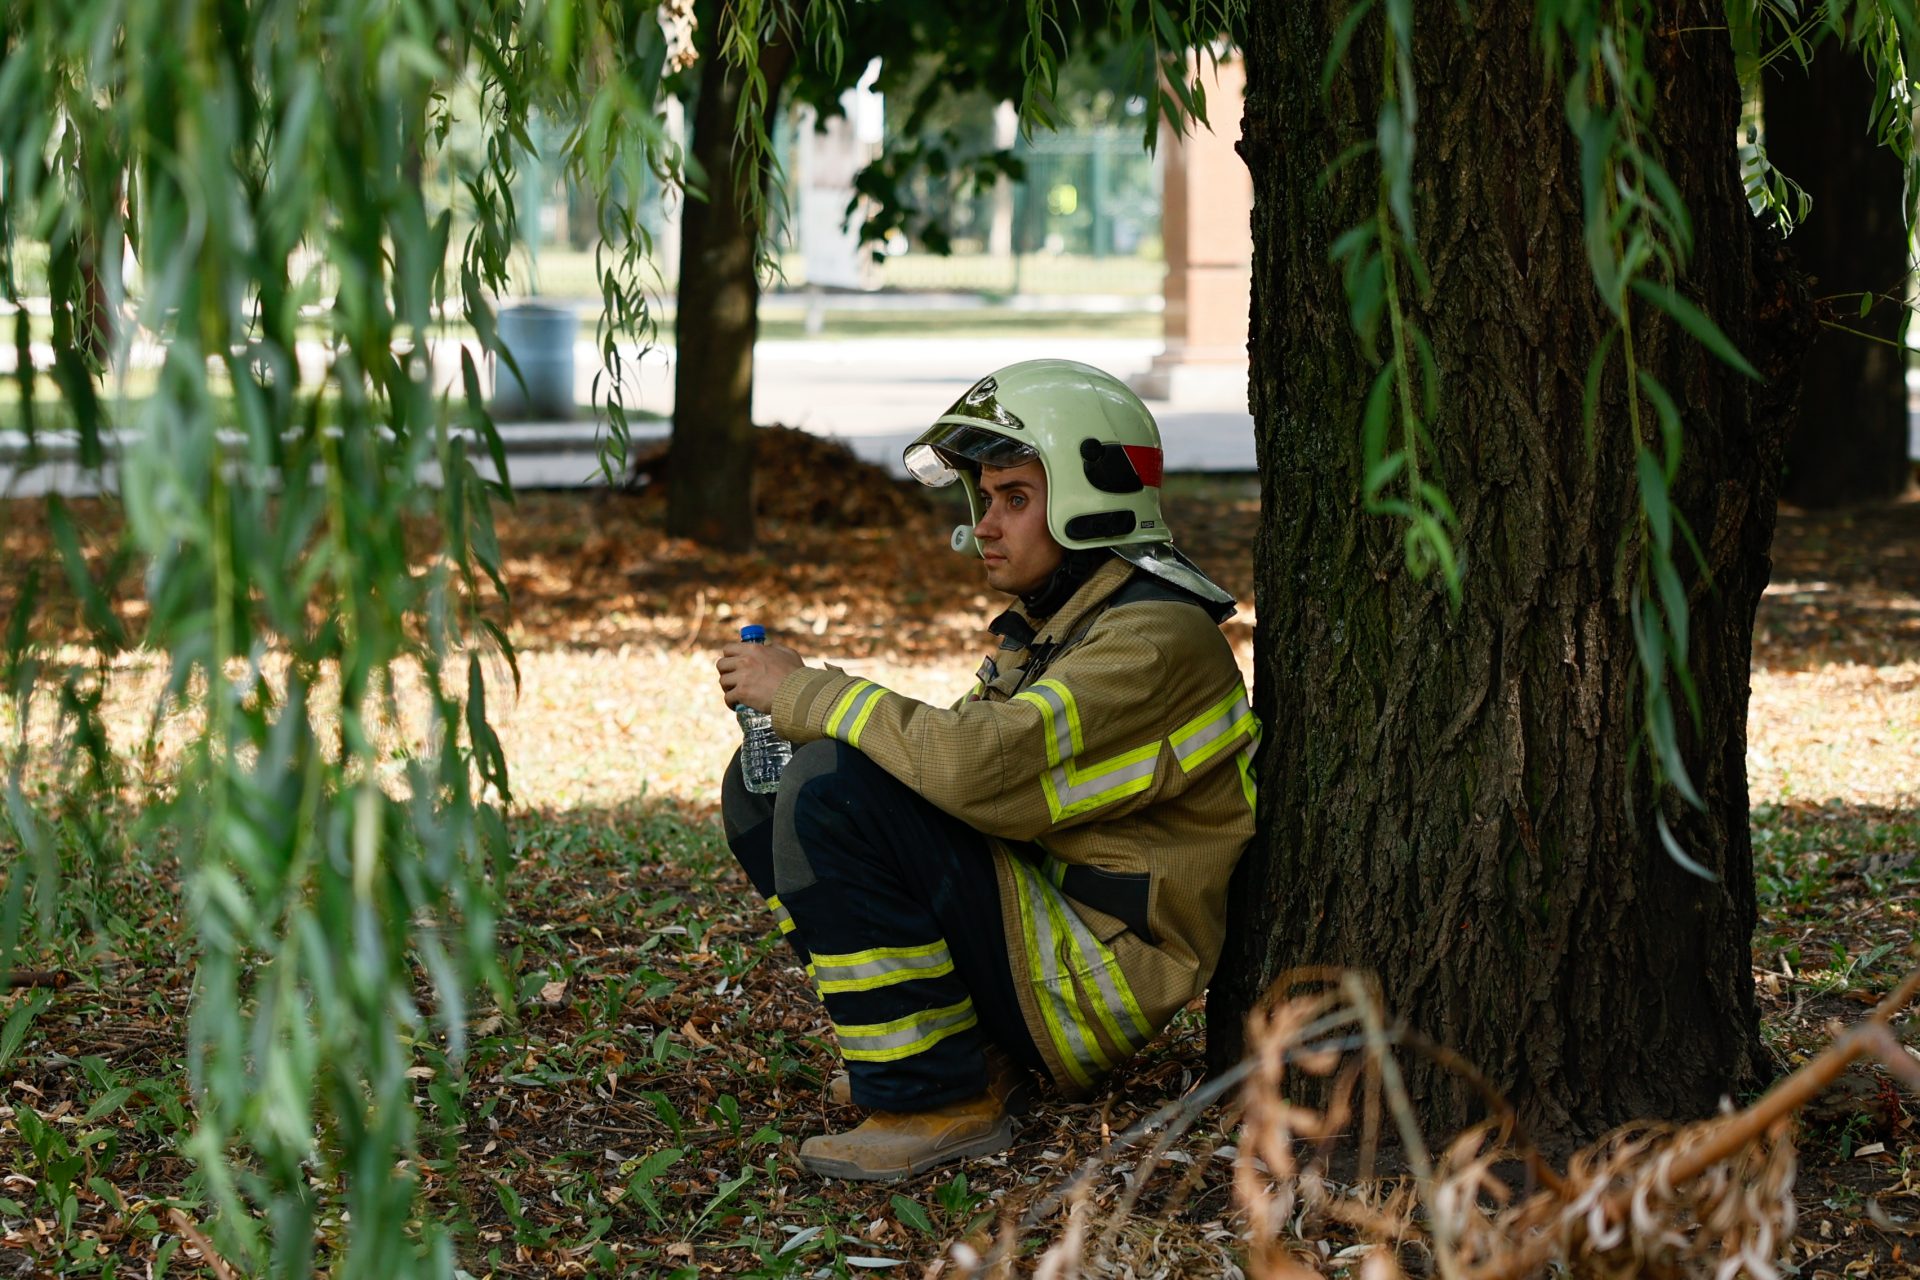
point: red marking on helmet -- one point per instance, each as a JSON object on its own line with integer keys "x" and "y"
{"x": 1147, "y": 463}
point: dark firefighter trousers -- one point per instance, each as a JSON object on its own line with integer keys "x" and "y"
{"x": 894, "y": 908}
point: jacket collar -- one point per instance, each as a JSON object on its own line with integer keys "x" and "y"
{"x": 1106, "y": 580}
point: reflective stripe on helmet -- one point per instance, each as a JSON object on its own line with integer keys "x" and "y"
{"x": 1148, "y": 462}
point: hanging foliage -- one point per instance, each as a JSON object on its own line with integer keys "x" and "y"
{"x": 258, "y": 252}
{"x": 1639, "y": 236}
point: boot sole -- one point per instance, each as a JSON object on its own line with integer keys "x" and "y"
{"x": 990, "y": 1143}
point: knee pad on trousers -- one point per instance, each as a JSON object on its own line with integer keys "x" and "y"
{"x": 740, "y": 809}
{"x": 799, "y": 787}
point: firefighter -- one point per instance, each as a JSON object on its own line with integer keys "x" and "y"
{"x": 1031, "y": 882}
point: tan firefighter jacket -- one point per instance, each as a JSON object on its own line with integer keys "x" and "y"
{"x": 1110, "y": 760}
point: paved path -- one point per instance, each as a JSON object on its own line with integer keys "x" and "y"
{"x": 874, "y": 393}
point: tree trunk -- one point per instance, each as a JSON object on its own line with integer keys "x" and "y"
{"x": 1449, "y": 799}
{"x": 1850, "y": 444}
{"x": 710, "y": 458}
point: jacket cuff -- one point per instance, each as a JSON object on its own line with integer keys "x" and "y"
{"x": 801, "y": 703}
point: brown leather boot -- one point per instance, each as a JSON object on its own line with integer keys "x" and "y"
{"x": 891, "y": 1144}
{"x": 1007, "y": 1081}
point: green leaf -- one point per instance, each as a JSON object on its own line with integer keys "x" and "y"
{"x": 912, "y": 1215}
{"x": 1342, "y": 37}
{"x": 1375, "y": 423}
{"x": 14, "y": 1033}
{"x": 111, "y": 1100}
{"x": 1381, "y": 474}
{"x": 1673, "y": 604}
{"x": 1326, "y": 176}
{"x": 1590, "y": 395}
{"x": 1678, "y": 854}
{"x": 94, "y": 605}
{"x": 1696, "y": 322}
{"x": 1429, "y": 377}
{"x": 1654, "y": 500}
{"x": 1669, "y": 415}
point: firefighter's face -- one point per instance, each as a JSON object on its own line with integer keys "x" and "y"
{"x": 1020, "y": 554}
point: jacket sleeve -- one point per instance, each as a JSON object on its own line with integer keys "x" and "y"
{"x": 1084, "y": 743}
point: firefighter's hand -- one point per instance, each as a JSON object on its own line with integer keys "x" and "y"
{"x": 750, "y": 674}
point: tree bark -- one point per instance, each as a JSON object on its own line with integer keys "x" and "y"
{"x": 710, "y": 457}
{"x": 1851, "y": 441}
{"x": 1449, "y": 798}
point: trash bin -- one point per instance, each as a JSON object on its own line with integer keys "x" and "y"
{"x": 541, "y": 337}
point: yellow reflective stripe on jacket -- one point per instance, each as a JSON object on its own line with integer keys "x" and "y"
{"x": 1060, "y": 947}
{"x": 1097, "y": 966}
{"x": 881, "y": 967}
{"x": 1093, "y": 951}
{"x": 1072, "y": 790}
{"x": 1072, "y": 1038}
{"x": 904, "y": 1037}
{"x": 1212, "y": 731}
{"x": 780, "y": 916}
{"x": 851, "y": 713}
{"x": 1247, "y": 788}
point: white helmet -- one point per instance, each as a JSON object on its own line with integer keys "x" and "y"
{"x": 1098, "y": 444}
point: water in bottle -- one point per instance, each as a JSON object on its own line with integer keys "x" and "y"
{"x": 763, "y": 753}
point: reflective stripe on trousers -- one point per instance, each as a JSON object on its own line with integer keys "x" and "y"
{"x": 880, "y": 967}
{"x": 904, "y": 1037}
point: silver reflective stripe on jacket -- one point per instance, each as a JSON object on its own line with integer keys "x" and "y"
{"x": 1062, "y": 949}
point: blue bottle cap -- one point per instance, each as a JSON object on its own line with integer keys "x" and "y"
{"x": 754, "y": 633}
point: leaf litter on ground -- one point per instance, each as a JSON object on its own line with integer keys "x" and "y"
{"x": 639, "y": 1108}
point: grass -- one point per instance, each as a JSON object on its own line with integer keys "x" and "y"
{"x": 636, "y": 1109}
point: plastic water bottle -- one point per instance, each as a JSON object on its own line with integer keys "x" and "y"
{"x": 764, "y": 753}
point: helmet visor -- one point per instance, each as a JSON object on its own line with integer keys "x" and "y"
{"x": 947, "y": 448}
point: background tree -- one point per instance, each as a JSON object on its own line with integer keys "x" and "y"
{"x": 931, "y": 55}
{"x": 1823, "y": 122}
{"x": 716, "y": 321}
{"x": 1493, "y": 801}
